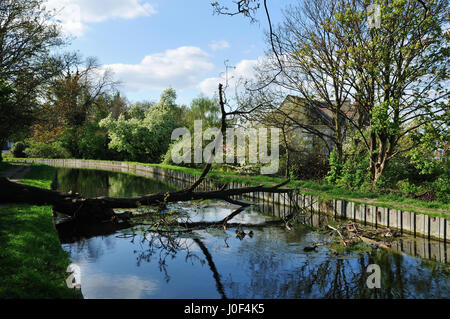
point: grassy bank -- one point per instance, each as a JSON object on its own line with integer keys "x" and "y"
{"x": 323, "y": 191}
{"x": 32, "y": 262}
{"x": 326, "y": 191}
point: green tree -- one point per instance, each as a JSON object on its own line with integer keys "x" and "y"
{"x": 396, "y": 72}
{"x": 145, "y": 139}
{"x": 139, "y": 109}
{"x": 205, "y": 109}
{"x": 28, "y": 34}
{"x": 7, "y": 107}
{"x": 74, "y": 100}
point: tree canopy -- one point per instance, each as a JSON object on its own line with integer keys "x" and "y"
{"x": 144, "y": 139}
{"x": 28, "y": 34}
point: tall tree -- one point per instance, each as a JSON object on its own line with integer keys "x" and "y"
{"x": 28, "y": 33}
{"x": 205, "y": 109}
{"x": 72, "y": 99}
{"x": 397, "y": 72}
{"x": 308, "y": 63}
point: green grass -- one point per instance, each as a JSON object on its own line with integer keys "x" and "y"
{"x": 323, "y": 191}
{"x": 32, "y": 262}
{"x": 392, "y": 201}
{"x": 39, "y": 176}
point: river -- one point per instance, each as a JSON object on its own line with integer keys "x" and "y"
{"x": 269, "y": 262}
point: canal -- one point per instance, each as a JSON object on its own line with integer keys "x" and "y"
{"x": 268, "y": 262}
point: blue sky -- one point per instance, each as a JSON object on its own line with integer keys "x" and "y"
{"x": 153, "y": 44}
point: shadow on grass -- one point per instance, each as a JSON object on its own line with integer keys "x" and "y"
{"x": 32, "y": 262}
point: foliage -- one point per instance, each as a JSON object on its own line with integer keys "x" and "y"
{"x": 46, "y": 150}
{"x": 92, "y": 142}
{"x": 201, "y": 109}
{"x": 148, "y": 139}
{"x": 352, "y": 170}
{"x": 408, "y": 188}
{"x": 388, "y": 67}
{"x": 441, "y": 186}
{"x": 7, "y": 109}
{"x": 28, "y": 35}
{"x": 75, "y": 101}
{"x": 18, "y": 149}
{"x": 335, "y": 171}
{"x": 308, "y": 165}
{"x": 138, "y": 110}
{"x": 167, "y": 159}
{"x": 205, "y": 109}
{"x": 394, "y": 74}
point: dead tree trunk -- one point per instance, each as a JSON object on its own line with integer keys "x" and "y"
{"x": 101, "y": 208}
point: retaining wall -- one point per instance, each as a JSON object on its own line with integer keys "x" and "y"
{"x": 407, "y": 222}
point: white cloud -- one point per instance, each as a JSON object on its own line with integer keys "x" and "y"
{"x": 74, "y": 14}
{"x": 243, "y": 70}
{"x": 219, "y": 45}
{"x": 108, "y": 286}
{"x": 179, "y": 68}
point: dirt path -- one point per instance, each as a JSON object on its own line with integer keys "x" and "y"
{"x": 15, "y": 172}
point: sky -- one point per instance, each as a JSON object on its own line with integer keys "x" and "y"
{"x": 151, "y": 45}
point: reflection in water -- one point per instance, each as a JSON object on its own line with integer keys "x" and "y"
{"x": 214, "y": 263}
{"x": 92, "y": 183}
{"x": 105, "y": 286}
{"x": 282, "y": 268}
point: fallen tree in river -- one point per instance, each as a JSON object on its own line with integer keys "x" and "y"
{"x": 101, "y": 208}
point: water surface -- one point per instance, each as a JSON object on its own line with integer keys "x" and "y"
{"x": 214, "y": 263}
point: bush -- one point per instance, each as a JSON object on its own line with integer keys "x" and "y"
{"x": 92, "y": 142}
{"x": 6, "y": 155}
{"x": 43, "y": 150}
{"x": 409, "y": 189}
{"x": 18, "y": 149}
{"x": 441, "y": 187}
{"x": 355, "y": 172}
{"x": 309, "y": 165}
{"x": 335, "y": 172}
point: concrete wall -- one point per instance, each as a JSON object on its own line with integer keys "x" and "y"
{"x": 407, "y": 222}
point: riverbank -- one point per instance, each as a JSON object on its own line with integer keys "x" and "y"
{"x": 32, "y": 262}
{"x": 433, "y": 223}
{"x": 321, "y": 191}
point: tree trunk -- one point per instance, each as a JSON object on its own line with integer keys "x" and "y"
{"x": 373, "y": 155}
{"x": 101, "y": 208}
{"x": 287, "y": 153}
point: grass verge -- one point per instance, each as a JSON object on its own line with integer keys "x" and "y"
{"x": 32, "y": 262}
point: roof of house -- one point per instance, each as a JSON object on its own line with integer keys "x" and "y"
{"x": 321, "y": 109}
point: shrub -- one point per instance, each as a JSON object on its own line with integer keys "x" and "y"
{"x": 409, "y": 189}
{"x": 304, "y": 166}
{"x": 441, "y": 187}
{"x": 335, "y": 172}
{"x": 43, "y": 150}
{"x": 92, "y": 142}
{"x": 18, "y": 149}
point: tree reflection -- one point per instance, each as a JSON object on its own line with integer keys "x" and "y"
{"x": 167, "y": 246}
{"x": 93, "y": 183}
